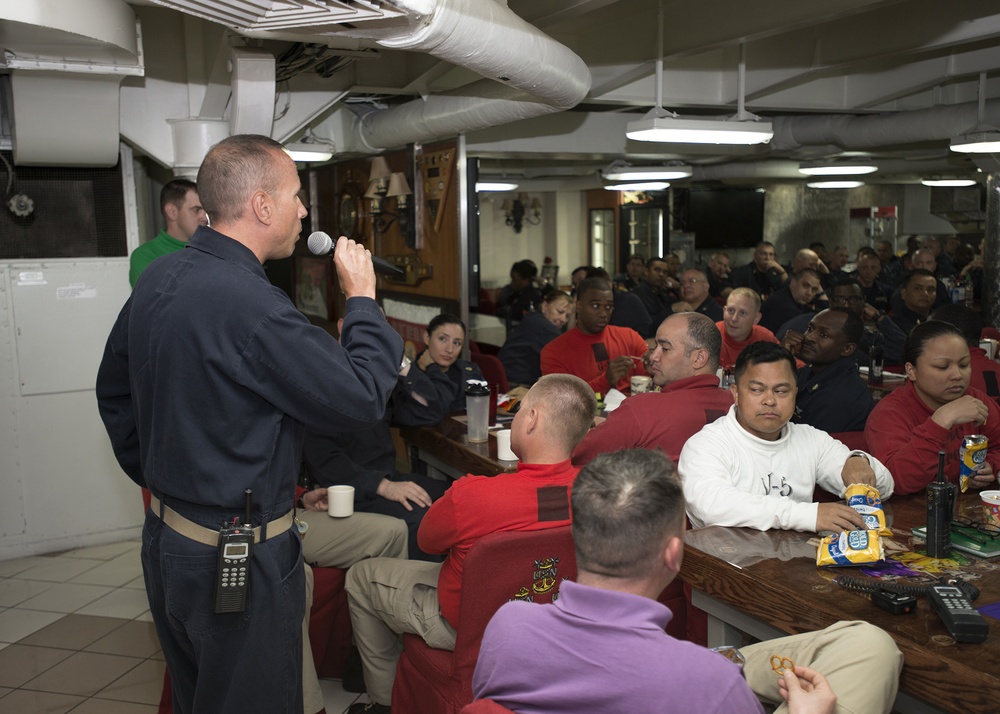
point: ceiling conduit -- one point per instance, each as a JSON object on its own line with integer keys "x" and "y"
{"x": 530, "y": 74}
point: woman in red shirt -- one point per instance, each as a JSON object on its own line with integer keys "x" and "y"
{"x": 932, "y": 412}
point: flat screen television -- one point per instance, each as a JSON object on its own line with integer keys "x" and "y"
{"x": 720, "y": 217}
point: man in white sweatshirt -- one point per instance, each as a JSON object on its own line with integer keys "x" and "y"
{"x": 753, "y": 468}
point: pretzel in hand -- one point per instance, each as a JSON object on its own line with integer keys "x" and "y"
{"x": 782, "y": 665}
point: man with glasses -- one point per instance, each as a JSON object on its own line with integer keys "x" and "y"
{"x": 695, "y": 295}
{"x": 918, "y": 293}
{"x": 831, "y": 396}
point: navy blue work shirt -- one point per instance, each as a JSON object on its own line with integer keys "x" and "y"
{"x": 210, "y": 376}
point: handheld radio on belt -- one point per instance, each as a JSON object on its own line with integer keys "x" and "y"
{"x": 232, "y": 580}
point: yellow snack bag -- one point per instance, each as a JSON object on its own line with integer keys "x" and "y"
{"x": 850, "y": 548}
{"x": 865, "y": 500}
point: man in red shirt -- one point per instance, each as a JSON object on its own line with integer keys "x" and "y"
{"x": 683, "y": 365}
{"x": 388, "y": 596}
{"x": 600, "y": 354}
{"x": 739, "y": 325}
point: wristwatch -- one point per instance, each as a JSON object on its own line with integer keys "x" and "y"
{"x": 404, "y": 364}
{"x": 862, "y": 454}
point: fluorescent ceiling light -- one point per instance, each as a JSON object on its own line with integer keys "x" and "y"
{"x": 835, "y": 184}
{"x": 495, "y": 186}
{"x": 646, "y": 173}
{"x": 303, "y": 151}
{"x": 983, "y": 142}
{"x": 947, "y": 182}
{"x": 837, "y": 168}
{"x": 639, "y": 186}
{"x": 699, "y": 131}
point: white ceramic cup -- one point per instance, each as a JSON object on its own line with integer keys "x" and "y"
{"x": 503, "y": 446}
{"x": 340, "y": 501}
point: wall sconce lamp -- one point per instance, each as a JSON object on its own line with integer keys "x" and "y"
{"x": 522, "y": 209}
{"x": 384, "y": 186}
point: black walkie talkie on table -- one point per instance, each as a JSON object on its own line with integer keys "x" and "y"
{"x": 232, "y": 581}
{"x": 940, "y": 506}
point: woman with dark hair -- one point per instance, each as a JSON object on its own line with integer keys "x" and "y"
{"x": 934, "y": 411}
{"x": 521, "y": 353}
{"x": 434, "y": 384}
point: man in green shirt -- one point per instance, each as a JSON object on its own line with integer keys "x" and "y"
{"x": 183, "y": 213}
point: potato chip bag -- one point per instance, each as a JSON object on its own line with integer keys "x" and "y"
{"x": 850, "y": 548}
{"x": 865, "y": 500}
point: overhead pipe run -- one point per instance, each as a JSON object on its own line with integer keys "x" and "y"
{"x": 866, "y": 133}
{"x": 530, "y": 74}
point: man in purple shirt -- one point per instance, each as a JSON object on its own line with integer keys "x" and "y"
{"x": 601, "y": 647}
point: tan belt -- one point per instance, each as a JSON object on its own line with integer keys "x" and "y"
{"x": 190, "y": 529}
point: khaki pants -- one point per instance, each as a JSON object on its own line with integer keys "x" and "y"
{"x": 340, "y": 543}
{"x": 860, "y": 661}
{"x": 387, "y": 598}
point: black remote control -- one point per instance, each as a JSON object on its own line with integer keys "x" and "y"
{"x": 963, "y": 621}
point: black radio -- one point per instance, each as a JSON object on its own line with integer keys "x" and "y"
{"x": 232, "y": 581}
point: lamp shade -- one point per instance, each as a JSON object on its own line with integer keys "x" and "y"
{"x": 373, "y": 191}
{"x": 398, "y": 185}
{"x": 380, "y": 169}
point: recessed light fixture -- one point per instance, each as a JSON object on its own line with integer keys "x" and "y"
{"x": 638, "y": 186}
{"x": 837, "y": 168}
{"x": 940, "y": 183}
{"x": 495, "y": 186}
{"x": 835, "y": 184}
{"x": 624, "y": 172}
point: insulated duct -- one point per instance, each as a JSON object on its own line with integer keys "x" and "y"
{"x": 529, "y": 73}
{"x": 861, "y": 133}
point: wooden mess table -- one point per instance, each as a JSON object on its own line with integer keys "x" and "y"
{"x": 767, "y": 584}
{"x": 446, "y": 449}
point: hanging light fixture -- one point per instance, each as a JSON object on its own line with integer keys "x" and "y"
{"x": 982, "y": 138}
{"x": 638, "y": 186}
{"x": 495, "y": 185}
{"x": 663, "y": 125}
{"x": 835, "y": 184}
{"x": 622, "y": 171}
{"x": 944, "y": 183}
{"x": 837, "y": 168}
{"x": 310, "y": 149}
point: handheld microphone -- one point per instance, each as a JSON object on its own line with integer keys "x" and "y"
{"x": 321, "y": 243}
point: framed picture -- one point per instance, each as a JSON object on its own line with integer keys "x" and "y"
{"x": 312, "y": 286}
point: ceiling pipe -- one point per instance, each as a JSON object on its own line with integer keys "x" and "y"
{"x": 529, "y": 74}
{"x": 872, "y": 132}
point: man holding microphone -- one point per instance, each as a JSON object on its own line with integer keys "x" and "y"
{"x": 209, "y": 379}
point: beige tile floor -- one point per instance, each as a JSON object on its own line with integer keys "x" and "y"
{"x": 76, "y": 636}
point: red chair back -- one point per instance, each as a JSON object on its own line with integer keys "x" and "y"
{"x": 511, "y": 565}
{"x": 492, "y": 369}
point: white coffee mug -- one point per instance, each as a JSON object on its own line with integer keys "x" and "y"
{"x": 340, "y": 501}
{"x": 503, "y": 446}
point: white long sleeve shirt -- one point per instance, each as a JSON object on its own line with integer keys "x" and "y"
{"x": 732, "y": 478}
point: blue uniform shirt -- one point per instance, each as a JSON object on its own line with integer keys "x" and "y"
{"x": 211, "y": 374}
